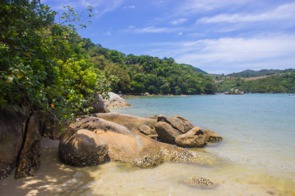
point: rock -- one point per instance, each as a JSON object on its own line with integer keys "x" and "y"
{"x": 12, "y": 126}
{"x": 200, "y": 182}
{"x": 49, "y": 127}
{"x": 92, "y": 123}
{"x": 177, "y": 122}
{"x": 161, "y": 118}
{"x": 148, "y": 131}
{"x": 166, "y": 132}
{"x": 29, "y": 159}
{"x": 212, "y": 137}
{"x": 180, "y": 124}
{"x": 115, "y": 101}
{"x": 128, "y": 147}
{"x": 193, "y": 138}
{"x": 99, "y": 105}
{"x": 133, "y": 123}
{"x": 83, "y": 149}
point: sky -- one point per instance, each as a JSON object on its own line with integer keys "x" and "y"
{"x": 217, "y": 36}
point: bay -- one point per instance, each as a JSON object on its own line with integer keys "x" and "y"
{"x": 258, "y": 129}
{"x": 257, "y": 154}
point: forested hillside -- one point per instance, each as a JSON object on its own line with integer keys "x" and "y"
{"x": 263, "y": 72}
{"x": 139, "y": 74}
{"x": 47, "y": 66}
{"x": 281, "y": 82}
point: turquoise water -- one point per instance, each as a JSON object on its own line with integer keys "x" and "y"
{"x": 258, "y": 129}
{"x": 257, "y": 154}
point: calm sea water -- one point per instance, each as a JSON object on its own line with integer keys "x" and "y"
{"x": 258, "y": 129}
{"x": 257, "y": 153}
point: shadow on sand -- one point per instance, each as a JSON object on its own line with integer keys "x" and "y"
{"x": 53, "y": 177}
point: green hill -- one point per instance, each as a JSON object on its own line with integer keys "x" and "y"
{"x": 263, "y": 72}
{"x": 264, "y": 81}
{"x": 139, "y": 74}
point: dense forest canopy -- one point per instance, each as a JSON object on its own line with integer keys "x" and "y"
{"x": 44, "y": 66}
{"x": 48, "y": 67}
{"x": 140, "y": 74}
{"x": 264, "y": 81}
{"x": 263, "y": 72}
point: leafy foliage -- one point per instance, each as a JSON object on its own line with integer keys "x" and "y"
{"x": 48, "y": 67}
{"x": 263, "y": 72}
{"x": 44, "y": 65}
{"x": 140, "y": 74}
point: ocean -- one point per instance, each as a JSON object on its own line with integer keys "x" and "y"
{"x": 258, "y": 132}
{"x": 257, "y": 153}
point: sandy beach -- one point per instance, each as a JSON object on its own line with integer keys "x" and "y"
{"x": 55, "y": 178}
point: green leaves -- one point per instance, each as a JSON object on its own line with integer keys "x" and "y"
{"x": 43, "y": 65}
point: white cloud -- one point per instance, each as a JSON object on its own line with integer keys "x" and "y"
{"x": 225, "y": 55}
{"x": 178, "y": 21}
{"x": 197, "y": 6}
{"x": 283, "y": 12}
{"x": 151, "y": 29}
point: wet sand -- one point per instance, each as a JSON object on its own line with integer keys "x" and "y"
{"x": 55, "y": 178}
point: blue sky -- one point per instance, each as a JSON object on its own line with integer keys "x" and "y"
{"x": 218, "y": 36}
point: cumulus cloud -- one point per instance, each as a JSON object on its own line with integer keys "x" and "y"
{"x": 283, "y": 12}
{"x": 197, "y": 6}
{"x": 225, "y": 55}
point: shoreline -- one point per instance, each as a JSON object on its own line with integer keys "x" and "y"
{"x": 55, "y": 178}
{"x": 233, "y": 178}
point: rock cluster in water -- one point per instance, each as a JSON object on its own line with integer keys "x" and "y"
{"x": 93, "y": 140}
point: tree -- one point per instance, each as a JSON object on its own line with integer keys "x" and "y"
{"x": 44, "y": 66}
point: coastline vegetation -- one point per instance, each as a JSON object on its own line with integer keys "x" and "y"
{"x": 47, "y": 66}
{"x": 263, "y": 81}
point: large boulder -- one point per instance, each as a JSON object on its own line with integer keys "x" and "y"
{"x": 49, "y": 126}
{"x": 180, "y": 123}
{"x": 133, "y": 123}
{"x": 29, "y": 158}
{"x": 115, "y": 101}
{"x": 170, "y": 128}
{"x": 12, "y": 128}
{"x": 19, "y": 143}
{"x": 193, "y": 138}
{"x": 115, "y": 145}
{"x": 99, "y": 105}
{"x": 166, "y": 133}
{"x": 83, "y": 149}
{"x": 92, "y": 123}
